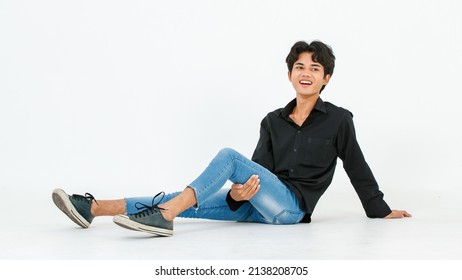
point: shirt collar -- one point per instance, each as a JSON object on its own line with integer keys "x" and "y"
{"x": 319, "y": 106}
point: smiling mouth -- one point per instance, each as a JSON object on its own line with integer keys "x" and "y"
{"x": 306, "y": 83}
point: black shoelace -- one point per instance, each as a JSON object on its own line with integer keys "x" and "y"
{"x": 146, "y": 209}
{"x": 88, "y": 197}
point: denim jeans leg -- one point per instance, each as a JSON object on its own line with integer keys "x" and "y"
{"x": 274, "y": 201}
{"x": 215, "y": 208}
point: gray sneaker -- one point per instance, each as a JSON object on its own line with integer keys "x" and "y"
{"x": 149, "y": 220}
{"x": 76, "y": 207}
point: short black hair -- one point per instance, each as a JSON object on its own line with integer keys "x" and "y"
{"x": 321, "y": 53}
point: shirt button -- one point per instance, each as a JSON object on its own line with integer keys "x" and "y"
{"x": 291, "y": 171}
{"x": 299, "y": 132}
{"x": 295, "y": 150}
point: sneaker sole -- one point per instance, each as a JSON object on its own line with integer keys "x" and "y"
{"x": 61, "y": 200}
{"x": 125, "y": 222}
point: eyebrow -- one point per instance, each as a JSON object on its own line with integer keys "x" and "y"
{"x": 313, "y": 64}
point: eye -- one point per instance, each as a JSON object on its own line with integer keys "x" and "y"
{"x": 315, "y": 69}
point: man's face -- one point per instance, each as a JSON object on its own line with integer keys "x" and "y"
{"x": 307, "y": 76}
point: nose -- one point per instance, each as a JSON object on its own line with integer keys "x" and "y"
{"x": 306, "y": 73}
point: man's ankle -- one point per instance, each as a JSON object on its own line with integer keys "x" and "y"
{"x": 167, "y": 214}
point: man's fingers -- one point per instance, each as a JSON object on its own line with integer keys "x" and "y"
{"x": 406, "y": 214}
{"x": 398, "y": 214}
{"x": 249, "y": 193}
{"x": 247, "y": 190}
{"x": 402, "y": 213}
{"x": 252, "y": 182}
{"x": 255, "y": 190}
{"x": 237, "y": 186}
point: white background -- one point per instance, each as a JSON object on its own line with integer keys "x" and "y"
{"x": 129, "y": 98}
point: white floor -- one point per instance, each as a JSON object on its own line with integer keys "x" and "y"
{"x": 34, "y": 229}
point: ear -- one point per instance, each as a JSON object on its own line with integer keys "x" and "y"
{"x": 289, "y": 74}
{"x": 326, "y": 79}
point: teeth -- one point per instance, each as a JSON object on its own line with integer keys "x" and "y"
{"x": 306, "y": 82}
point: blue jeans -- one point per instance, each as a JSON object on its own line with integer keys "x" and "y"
{"x": 274, "y": 203}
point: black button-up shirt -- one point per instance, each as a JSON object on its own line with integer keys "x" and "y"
{"x": 304, "y": 157}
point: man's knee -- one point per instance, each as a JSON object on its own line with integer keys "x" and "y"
{"x": 227, "y": 152}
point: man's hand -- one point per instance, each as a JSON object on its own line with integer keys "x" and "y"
{"x": 398, "y": 214}
{"x": 247, "y": 191}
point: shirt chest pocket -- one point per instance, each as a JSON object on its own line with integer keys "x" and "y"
{"x": 318, "y": 152}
